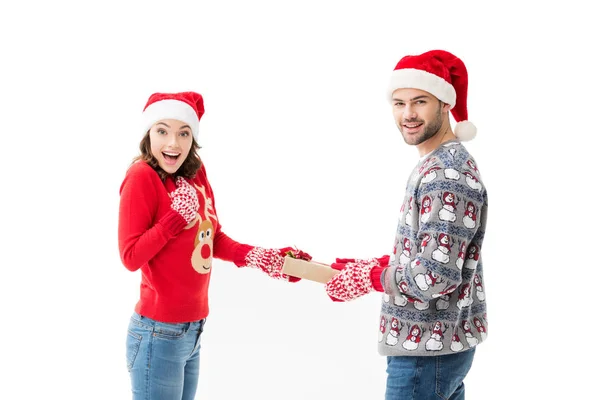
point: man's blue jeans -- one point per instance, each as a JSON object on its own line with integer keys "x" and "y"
{"x": 428, "y": 378}
{"x": 163, "y": 359}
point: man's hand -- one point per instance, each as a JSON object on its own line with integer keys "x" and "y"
{"x": 354, "y": 280}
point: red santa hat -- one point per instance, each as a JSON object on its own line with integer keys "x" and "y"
{"x": 187, "y": 107}
{"x": 443, "y": 75}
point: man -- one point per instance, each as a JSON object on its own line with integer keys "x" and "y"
{"x": 430, "y": 319}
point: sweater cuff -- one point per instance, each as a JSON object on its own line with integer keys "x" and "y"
{"x": 376, "y": 274}
{"x": 240, "y": 254}
{"x": 173, "y": 222}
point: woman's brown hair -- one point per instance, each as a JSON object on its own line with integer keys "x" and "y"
{"x": 188, "y": 169}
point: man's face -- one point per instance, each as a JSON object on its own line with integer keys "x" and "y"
{"x": 418, "y": 114}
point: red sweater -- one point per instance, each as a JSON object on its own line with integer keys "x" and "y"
{"x": 175, "y": 259}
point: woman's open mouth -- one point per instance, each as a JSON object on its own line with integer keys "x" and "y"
{"x": 170, "y": 157}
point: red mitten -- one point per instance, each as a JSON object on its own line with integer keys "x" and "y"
{"x": 383, "y": 260}
{"x": 355, "y": 279}
{"x": 271, "y": 261}
{"x": 184, "y": 200}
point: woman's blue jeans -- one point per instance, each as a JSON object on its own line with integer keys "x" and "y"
{"x": 163, "y": 359}
{"x": 428, "y": 378}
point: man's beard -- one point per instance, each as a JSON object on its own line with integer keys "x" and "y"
{"x": 430, "y": 129}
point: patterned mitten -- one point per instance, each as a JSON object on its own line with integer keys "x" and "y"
{"x": 184, "y": 200}
{"x": 270, "y": 261}
{"x": 383, "y": 261}
{"x": 355, "y": 279}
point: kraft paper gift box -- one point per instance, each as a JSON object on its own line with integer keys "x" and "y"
{"x": 311, "y": 270}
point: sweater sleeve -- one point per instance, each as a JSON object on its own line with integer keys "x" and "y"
{"x": 229, "y": 250}
{"x": 140, "y": 238}
{"x": 433, "y": 265}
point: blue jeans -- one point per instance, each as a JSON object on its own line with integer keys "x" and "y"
{"x": 163, "y": 359}
{"x": 428, "y": 377}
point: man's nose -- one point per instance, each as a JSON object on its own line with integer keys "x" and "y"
{"x": 409, "y": 112}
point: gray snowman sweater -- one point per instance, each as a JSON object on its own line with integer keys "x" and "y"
{"x": 434, "y": 301}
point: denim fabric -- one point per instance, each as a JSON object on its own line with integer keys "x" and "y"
{"x": 428, "y": 378}
{"x": 163, "y": 359}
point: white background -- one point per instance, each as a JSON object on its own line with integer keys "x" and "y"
{"x": 301, "y": 149}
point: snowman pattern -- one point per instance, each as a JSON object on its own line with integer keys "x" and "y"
{"x": 414, "y": 338}
{"x": 401, "y": 300}
{"x": 473, "y": 166}
{"x": 426, "y": 280}
{"x": 480, "y": 328}
{"x": 447, "y": 212}
{"x": 470, "y": 216}
{"x": 392, "y": 338}
{"x": 421, "y": 305}
{"x": 442, "y": 253}
{"x": 456, "y": 344}
{"x": 430, "y": 175}
{"x": 464, "y": 298}
{"x": 472, "y": 256}
{"x": 471, "y": 340}
{"x": 424, "y": 242}
{"x": 437, "y": 335}
{"x": 451, "y": 173}
{"x": 405, "y": 255}
{"x": 461, "y": 255}
{"x": 426, "y": 205}
{"x": 472, "y": 181}
{"x": 479, "y": 288}
{"x": 421, "y": 169}
{"x": 443, "y": 302}
{"x": 382, "y": 326}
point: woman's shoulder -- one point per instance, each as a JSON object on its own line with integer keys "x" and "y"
{"x": 141, "y": 169}
{"x": 141, "y": 174}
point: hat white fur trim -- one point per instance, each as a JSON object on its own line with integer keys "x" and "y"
{"x": 170, "y": 109}
{"x": 418, "y": 79}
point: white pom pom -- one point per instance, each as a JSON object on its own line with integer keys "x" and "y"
{"x": 465, "y": 131}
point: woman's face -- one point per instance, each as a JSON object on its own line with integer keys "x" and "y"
{"x": 170, "y": 143}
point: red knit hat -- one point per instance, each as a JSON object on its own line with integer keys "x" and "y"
{"x": 186, "y": 107}
{"x": 443, "y": 75}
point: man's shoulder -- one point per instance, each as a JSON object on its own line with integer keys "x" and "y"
{"x": 449, "y": 166}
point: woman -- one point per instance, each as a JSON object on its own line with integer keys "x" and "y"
{"x": 168, "y": 228}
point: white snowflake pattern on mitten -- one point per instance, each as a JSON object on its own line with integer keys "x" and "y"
{"x": 268, "y": 260}
{"x": 184, "y": 200}
{"x": 353, "y": 281}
